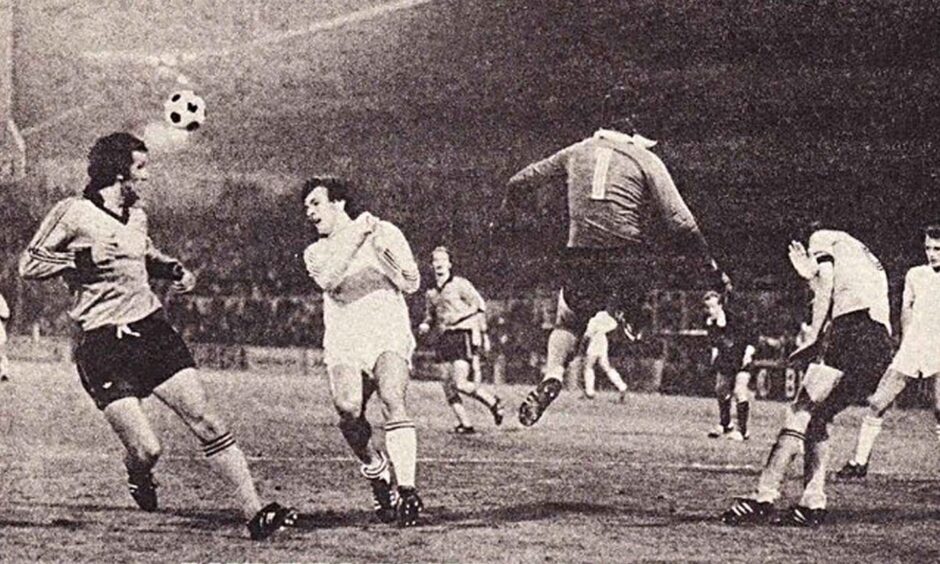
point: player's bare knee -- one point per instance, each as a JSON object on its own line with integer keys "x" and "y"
{"x": 206, "y": 426}
{"x": 348, "y": 407}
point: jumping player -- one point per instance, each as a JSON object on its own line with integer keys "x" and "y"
{"x": 616, "y": 189}
{"x": 850, "y": 292}
{"x": 731, "y": 355}
{"x": 456, "y": 313}
{"x": 596, "y": 353}
{"x": 917, "y": 357}
{"x": 99, "y": 244}
{"x": 364, "y": 266}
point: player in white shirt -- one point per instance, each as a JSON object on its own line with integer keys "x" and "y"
{"x": 917, "y": 357}
{"x": 596, "y": 353}
{"x": 4, "y": 361}
{"x": 364, "y": 266}
{"x": 850, "y": 297}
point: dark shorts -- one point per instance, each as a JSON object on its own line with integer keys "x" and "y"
{"x": 594, "y": 279}
{"x": 862, "y": 349}
{"x": 454, "y": 345}
{"x": 112, "y": 368}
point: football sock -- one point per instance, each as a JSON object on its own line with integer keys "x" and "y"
{"x": 616, "y": 380}
{"x": 937, "y": 431}
{"x": 378, "y": 469}
{"x": 589, "y": 382}
{"x": 724, "y": 412}
{"x": 789, "y": 443}
{"x": 358, "y": 433}
{"x": 814, "y": 474}
{"x": 229, "y": 462}
{"x": 867, "y": 434}
{"x": 744, "y": 414}
{"x": 461, "y": 413}
{"x": 401, "y": 442}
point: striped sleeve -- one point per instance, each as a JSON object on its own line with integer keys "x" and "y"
{"x": 396, "y": 257}
{"x": 46, "y": 256}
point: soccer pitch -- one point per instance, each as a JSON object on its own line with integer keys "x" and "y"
{"x": 593, "y": 481}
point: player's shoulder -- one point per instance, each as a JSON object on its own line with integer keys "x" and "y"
{"x": 389, "y": 227}
{"x": 71, "y": 207}
{"x": 918, "y": 272}
{"x": 460, "y": 281}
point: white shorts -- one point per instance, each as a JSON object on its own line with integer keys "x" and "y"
{"x": 597, "y": 345}
{"x": 917, "y": 357}
{"x": 356, "y": 335}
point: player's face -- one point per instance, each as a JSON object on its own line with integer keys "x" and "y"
{"x": 138, "y": 171}
{"x": 932, "y": 248}
{"x": 441, "y": 264}
{"x": 321, "y": 211}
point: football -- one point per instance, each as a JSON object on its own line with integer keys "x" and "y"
{"x": 183, "y": 109}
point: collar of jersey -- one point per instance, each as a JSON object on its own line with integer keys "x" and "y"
{"x": 618, "y": 137}
{"x": 446, "y": 282}
{"x": 123, "y": 218}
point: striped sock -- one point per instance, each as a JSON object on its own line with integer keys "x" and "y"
{"x": 937, "y": 428}
{"x": 378, "y": 470}
{"x": 401, "y": 442}
{"x": 229, "y": 462}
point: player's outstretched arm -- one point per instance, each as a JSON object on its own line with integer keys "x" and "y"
{"x": 45, "y": 256}
{"x": 396, "y": 258}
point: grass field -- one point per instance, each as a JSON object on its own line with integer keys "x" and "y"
{"x": 593, "y": 481}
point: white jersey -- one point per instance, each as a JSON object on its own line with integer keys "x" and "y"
{"x": 364, "y": 310}
{"x": 859, "y": 280}
{"x": 919, "y": 353}
{"x": 601, "y": 324}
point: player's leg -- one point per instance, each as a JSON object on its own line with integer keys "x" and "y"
{"x": 936, "y": 403}
{"x": 141, "y": 445}
{"x": 603, "y": 361}
{"x": 723, "y": 393}
{"x": 452, "y": 393}
{"x": 590, "y": 360}
{"x": 742, "y": 400}
{"x": 350, "y": 392}
{"x": 4, "y": 364}
{"x": 462, "y": 369}
{"x": 818, "y": 383}
{"x": 863, "y": 351}
{"x": 185, "y": 394}
{"x": 889, "y": 387}
{"x": 401, "y": 440}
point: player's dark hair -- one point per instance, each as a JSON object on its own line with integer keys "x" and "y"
{"x": 109, "y": 160}
{"x": 932, "y": 231}
{"x": 337, "y": 189}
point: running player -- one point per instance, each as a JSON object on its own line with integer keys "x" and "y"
{"x": 616, "y": 189}
{"x": 917, "y": 357}
{"x": 850, "y": 292}
{"x": 99, "y": 244}
{"x": 364, "y": 266}
{"x": 731, "y": 356}
{"x": 457, "y": 314}
{"x": 596, "y": 354}
{"x": 4, "y": 361}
